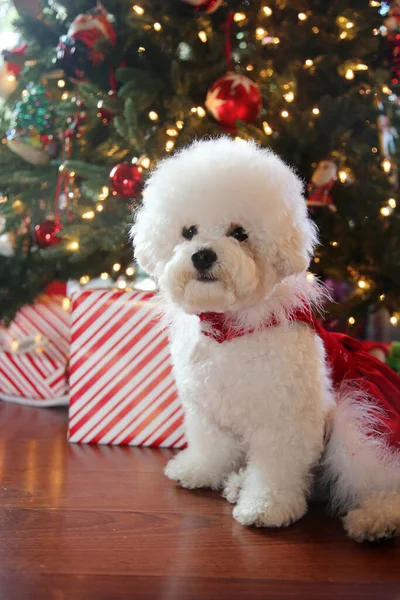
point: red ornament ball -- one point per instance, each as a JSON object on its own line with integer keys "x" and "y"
{"x": 126, "y": 180}
{"x": 204, "y": 6}
{"x": 233, "y": 98}
{"x": 46, "y": 233}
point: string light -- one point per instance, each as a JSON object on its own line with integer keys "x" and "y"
{"x": 349, "y": 25}
{"x": 172, "y": 132}
{"x": 104, "y": 276}
{"x": 309, "y": 62}
{"x": 315, "y": 111}
{"x": 310, "y": 277}
{"x": 153, "y": 116}
{"x": 145, "y": 162}
{"x": 392, "y": 203}
{"x": 141, "y": 49}
{"x": 382, "y": 297}
{"x": 250, "y": 68}
{"x": 84, "y": 279}
{"x": 386, "y": 90}
{"x": 386, "y": 165}
{"x": 302, "y": 16}
{"x": 73, "y": 246}
{"x": 121, "y": 283}
{"x": 334, "y": 244}
{"x": 385, "y": 211}
{"x": 139, "y": 10}
{"x": 268, "y": 130}
{"x": 157, "y": 27}
{"x": 11, "y": 78}
{"x": 267, "y": 11}
{"x": 193, "y": 110}
{"x": 343, "y": 35}
{"x": 116, "y": 267}
{"x": 351, "y": 320}
{"x": 99, "y": 207}
{"x": 285, "y": 114}
{"x": 393, "y": 320}
{"x": 202, "y": 36}
{"x": 201, "y": 112}
{"x": 374, "y": 150}
{"x": 289, "y": 97}
{"x": 315, "y": 30}
{"x": 61, "y": 83}
{"x": 179, "y": 124}
{"x": 239, "y": 16}
{"x": 260, "y": 33}
{"x": 240, "y": 140}
{"x": 374, "y": 3}
{"x": 64, "y": 96}
{"x": 276, "y": 40}
{"x": 169, "y": 145}
{"x": 342, "y": 176}
{"x": 361, "y": 67}
{"x": 66, "y": 303}
{"x": 362, "y": 284}
{"x": 88, "y": 215}
{"x": 130, "y": 271}
{"x": 349, "y": 74}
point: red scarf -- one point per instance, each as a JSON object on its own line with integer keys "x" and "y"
{"x": 348, "y": 360}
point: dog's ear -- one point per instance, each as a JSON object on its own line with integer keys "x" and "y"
{"x": 141, "y": 234}
{"x": 293, "y": 254}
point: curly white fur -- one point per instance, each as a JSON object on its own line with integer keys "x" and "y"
{"x": 256, "y": 407}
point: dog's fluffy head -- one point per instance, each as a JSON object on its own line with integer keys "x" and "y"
{"x": 238, "y": 200}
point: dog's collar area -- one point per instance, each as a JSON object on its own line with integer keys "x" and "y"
{"x": 221, "y": 328}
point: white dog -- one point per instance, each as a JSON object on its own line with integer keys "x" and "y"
{"x": 224, "y": 230}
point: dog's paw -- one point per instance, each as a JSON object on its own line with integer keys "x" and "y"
{"x": 373, "y": 521}
{"x": 233, "y": 485}
{"x": 269, "y": 512}
{"x": 192, "y": 474}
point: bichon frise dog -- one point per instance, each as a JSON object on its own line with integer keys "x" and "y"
{"x": 224, "y": 230}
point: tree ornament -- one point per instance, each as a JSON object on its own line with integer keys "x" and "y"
{"x": 126, "y": 180}
{"x": 32, "y": 134}
{"x": 322, "y": 181}
{"x": 233, "y": 98}
{"x": 84, "y": 46}
{"x": 46, "y": 233}
{"x": 204, "y": 6}
{"x": 392, "y": 24}
{"x": 11, "y": 63}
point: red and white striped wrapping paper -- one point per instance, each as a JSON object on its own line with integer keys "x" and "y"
{"x": 38, "y": 376}
{"x": 122, "y": 390}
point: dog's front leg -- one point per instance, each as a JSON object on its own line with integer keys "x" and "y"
{"x": 210, "y": 457}
{"x": 277, "y": 480}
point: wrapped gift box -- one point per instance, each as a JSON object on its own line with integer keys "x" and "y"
{"x": 122, "y": 390}
{"x": 34, "y": 353}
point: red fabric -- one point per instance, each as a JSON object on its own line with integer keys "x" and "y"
{"x": 349, "y": 361}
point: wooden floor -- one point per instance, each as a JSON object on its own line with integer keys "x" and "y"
{"x": 101, "y": 523}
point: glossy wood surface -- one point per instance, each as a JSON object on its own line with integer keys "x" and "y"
{"x": 103, "y": 523}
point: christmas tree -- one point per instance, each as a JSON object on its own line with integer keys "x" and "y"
{"x": 104, "y": 92}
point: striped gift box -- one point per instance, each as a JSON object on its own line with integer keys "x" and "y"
{"x": 33, "y": 377}
{"x": 37, "y": 375}
{"x": 122, "y": 390}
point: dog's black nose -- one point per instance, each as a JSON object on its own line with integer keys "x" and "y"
{"x": 204, "y": 259}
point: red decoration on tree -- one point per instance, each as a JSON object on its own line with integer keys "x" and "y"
{"x": 392, "y": 24}
{"x": 126, "y": 180}
{"x": 46, "y": 233}
{"x": 204, "y": 6}
{"x": 233, "y": 98}
{"x": 322, "y": 181}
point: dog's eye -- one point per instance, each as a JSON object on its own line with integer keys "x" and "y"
{"x": 238, "y": 233}
{"x": 189, "y": 232}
